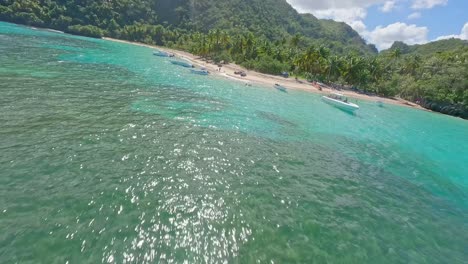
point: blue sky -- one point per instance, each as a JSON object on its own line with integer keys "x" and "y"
{"x": 382, "y": 22}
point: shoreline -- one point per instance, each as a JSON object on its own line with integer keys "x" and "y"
{"x": 257, "y": 78}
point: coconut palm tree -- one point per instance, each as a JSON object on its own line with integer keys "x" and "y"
{"x": 332, "y": 67}
{"x": 394, "y": 55}
{"x": 295, "y": 40}
{"x": 411, "y": 65}
{"x": 225, "y": 40}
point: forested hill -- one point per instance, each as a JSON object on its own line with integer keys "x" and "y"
{"x": 274, "y": 19}
{"x": 428, "y": 49}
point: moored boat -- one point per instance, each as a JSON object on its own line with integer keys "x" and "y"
{"x": 280, "y": 87}
{"x": 340, "y": 101}
{"x": 185, "y": 64}
{"x": 162, "y": 54}
{"x": 200, "y": 72}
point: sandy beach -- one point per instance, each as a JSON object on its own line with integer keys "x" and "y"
{"x": 256, "y": 78}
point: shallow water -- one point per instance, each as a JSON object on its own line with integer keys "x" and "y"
{"x": 110, "y": 154}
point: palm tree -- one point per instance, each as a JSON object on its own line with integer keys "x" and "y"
{"x": 264, "y": 48}
{"x": 295, "y": 40}
{"x": 333, "y": 67}
{"x": 217, "y": 35}
{"x": 225, "y": 40}
{"x": 323, "y": 53}
{"x": 353, "y": 70}
{"x": 310, "y": 61}
{"x": 411, "y": 64}
{"x": 394, "y": 55}
{"x": 211, "y": 41}
{"x": 250, "y": 45}
{"x": 201, "y": 46}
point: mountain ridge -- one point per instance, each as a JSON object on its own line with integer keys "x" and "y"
{"x": 274, "y": 23}
{"x": 429, "y": 48}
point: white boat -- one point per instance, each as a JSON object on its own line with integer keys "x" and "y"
{"x": 200, "y": 72}
{"x": 185, "y": 64}
{"x": 340, "y": 101}
{"x": 161, "y": 54}
{"x": 280, "y": 87}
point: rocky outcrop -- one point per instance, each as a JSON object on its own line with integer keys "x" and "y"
{"x": 445, "y": 108}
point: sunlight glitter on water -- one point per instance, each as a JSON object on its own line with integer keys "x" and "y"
{"x": 120, "y": 159}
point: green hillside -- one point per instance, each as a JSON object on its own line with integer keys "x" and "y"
{"x": 274, "y": 19}
{"x": 428, "y": 49}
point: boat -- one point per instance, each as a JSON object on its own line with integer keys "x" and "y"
{"x": 185, "y": 64}
{"x": 280, "y": 88}
{"x": 340, "y": 101}
{"x": 162, "y": 54}
{"x": 200, "y": 72}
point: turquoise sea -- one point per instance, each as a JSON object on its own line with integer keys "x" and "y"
{"x": 110, "y": 154}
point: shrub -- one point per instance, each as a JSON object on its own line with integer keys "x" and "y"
{"x": 266, "y": 65}
{"x": 88, "y": 31}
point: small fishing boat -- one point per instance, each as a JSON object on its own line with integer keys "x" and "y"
{"x": 185, "y": 64}
{"x": 200, "y": 72}
{"x": 340, "y": 101}
{"x": 162, "y": 54}
{"x": 280, "y": 88}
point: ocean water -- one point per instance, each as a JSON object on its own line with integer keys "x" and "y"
{"x": 109, "y": 154}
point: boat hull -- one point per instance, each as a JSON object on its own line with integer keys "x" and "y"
{"x": 161, "y": 55}
{"x": 280, "y": 88}
{"x": 182, "y": 63}
{"x": 350, "y": 107}
{"x": 200, "y": 72}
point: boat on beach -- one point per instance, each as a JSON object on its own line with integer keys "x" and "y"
{"x": 200, "y": 72}
{"x": 183, "y": 63}
{"x": 280, "y": 88}
{"x": 340, "y": 101}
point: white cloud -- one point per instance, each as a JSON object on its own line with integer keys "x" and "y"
{"x": 359, "y": 26}
{"x": 354, "y": 12}
{"x": 311, "y": 5}
{"x": 427, "y": 4}
{"x": 383, "y": 37}
{"x": 388, "y": 6}
{"x": 352, "y": 16}
{"x": 414, "y": 15}
{"x": 463, "y": 34}
{"x": 342, "y": 14}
